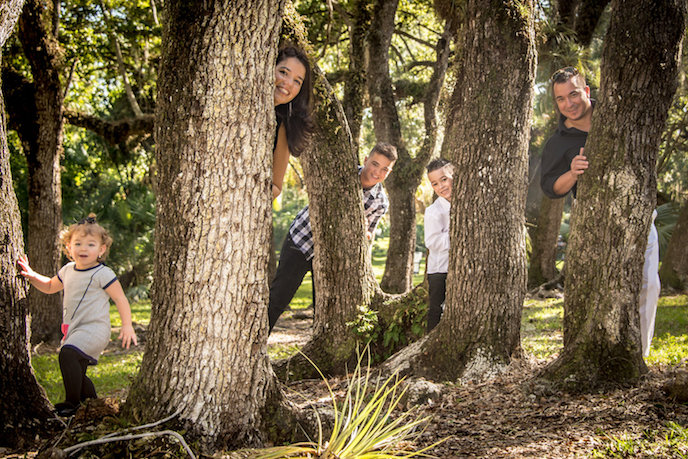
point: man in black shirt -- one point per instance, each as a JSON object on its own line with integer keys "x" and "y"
{"x": 563, "y": 161}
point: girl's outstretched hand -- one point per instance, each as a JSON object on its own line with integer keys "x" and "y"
{"x": 26, "y": 270}
{"x": 128, "y": 336}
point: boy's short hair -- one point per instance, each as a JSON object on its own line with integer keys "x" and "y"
{"x": 387, "y": 150}
{"x": 439, "y": 163}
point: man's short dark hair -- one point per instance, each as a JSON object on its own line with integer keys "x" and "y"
{"x": 387, "y": 150}
{"x": 437, "y": 163}
{"x": 565, "y": 74}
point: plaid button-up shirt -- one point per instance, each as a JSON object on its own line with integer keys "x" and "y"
{"x": 375, "y": 205}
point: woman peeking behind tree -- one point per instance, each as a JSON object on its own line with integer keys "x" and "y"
{"x": 293, "y": 88}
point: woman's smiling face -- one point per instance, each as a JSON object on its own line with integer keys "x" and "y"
{"x": 289, "y": 76}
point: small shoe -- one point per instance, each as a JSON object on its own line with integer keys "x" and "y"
{"x": 65, "y": 409}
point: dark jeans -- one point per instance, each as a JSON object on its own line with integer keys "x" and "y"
{"x": 437, "y": 284}
{"x": 291, "y": 270}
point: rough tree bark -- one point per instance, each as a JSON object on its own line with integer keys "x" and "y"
{"x": 487, "y": 139}
{"x": 207, "y": 350}
{"x": 408, "y": 172}
{"x": 543, "y": 240}
{"x": 24, "y": 407}
{"x": 674, "y": 270}
{"x": 616, "y": 196}
{"x": 42, "y": 144}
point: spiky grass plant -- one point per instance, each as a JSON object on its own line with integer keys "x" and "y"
{"x": 363, "y": 425}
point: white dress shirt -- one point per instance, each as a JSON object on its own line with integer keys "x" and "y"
{"x": 437, "y": 236}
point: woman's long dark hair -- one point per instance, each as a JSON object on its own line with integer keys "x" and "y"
{"x": 296, "y": 115}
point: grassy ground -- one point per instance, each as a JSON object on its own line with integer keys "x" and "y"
{"x": 541, "y": 333}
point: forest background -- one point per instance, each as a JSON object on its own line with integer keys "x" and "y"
{"x": 96, "y": 62}
{"x": 110, "y": 53}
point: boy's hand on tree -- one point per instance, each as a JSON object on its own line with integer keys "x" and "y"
{"x": 128, "y": 336}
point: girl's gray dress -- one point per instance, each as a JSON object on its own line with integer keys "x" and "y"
{"x": 86, "y": 308}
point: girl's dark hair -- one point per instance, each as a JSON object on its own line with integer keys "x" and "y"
{"x": 296, "y": 115}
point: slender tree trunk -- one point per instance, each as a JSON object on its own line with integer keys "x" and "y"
{"x": 408, "y": 172}
{"x": 355, "y": 84}
{"x": 207, "y": 351}
{"x": 24, "y": 408}
{"x": 543, "y": 238}
{"x": 343, "y": 275}
{"x": 616, "y": 195}
{"x": 674, "y": 270}
{"x": 43, "y": 150}
{"x": 487, "y": 139}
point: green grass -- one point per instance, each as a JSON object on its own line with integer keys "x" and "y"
{"x": 541, "y": 335}
{"x": 112, "y": 374}
{"x": 541, "y": 329}
{"x": 669, "y": 440}
{"x": 140, "y": 313}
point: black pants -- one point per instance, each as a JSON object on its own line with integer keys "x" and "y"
{"x": 437, "y": 284}
{"x": 78, "y": 387}
{"x": 291, "y": 270}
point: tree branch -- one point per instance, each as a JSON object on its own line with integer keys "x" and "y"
{"x": 113, "y": 132}
{"x": 416, "y": 39}
{"x": 120, "y": 61}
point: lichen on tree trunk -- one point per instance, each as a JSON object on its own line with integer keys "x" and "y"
{"x": 616, "y": 196}
{"x": 487, "y": 140}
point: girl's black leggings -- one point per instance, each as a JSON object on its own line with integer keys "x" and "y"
{"x": 77, "y": 385}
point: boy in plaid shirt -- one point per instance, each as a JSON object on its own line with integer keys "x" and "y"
{"x": 296, "y": 256}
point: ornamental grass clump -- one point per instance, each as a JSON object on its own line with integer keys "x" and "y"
{"x": 363, "y": 423}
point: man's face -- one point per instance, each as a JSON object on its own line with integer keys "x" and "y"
{"x": 573, "y": 99}
{"x": 376, "y": 168}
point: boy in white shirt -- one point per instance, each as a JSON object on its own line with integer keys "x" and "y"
{"x": 440, "y": 173}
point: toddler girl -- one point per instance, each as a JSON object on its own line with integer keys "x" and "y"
{"x": 87, "y": 284}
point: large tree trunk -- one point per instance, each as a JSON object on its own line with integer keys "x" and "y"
{"x": 24, "y": 407}
{"x": 43, "y": 150}
{"x": 408, "y": 172}
{"x": 543, "y": 240}
{"x": 487, "y": 139}
{"x": 674, "y": 270}
{"x": 207, "y": 350}
{"x": 616, "y": 195}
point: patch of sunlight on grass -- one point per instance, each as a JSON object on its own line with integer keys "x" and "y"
{"x": 304, "y": 295}
{"x": 112, "y": 374}
{"x": 140, "y": 313}
{"x": 541, "y": 326}
{"x": 670, "y": 342}
{"x": 668, "y": 349}
{"x": 282, "y": 351}
{"x": 669, "y": 440}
